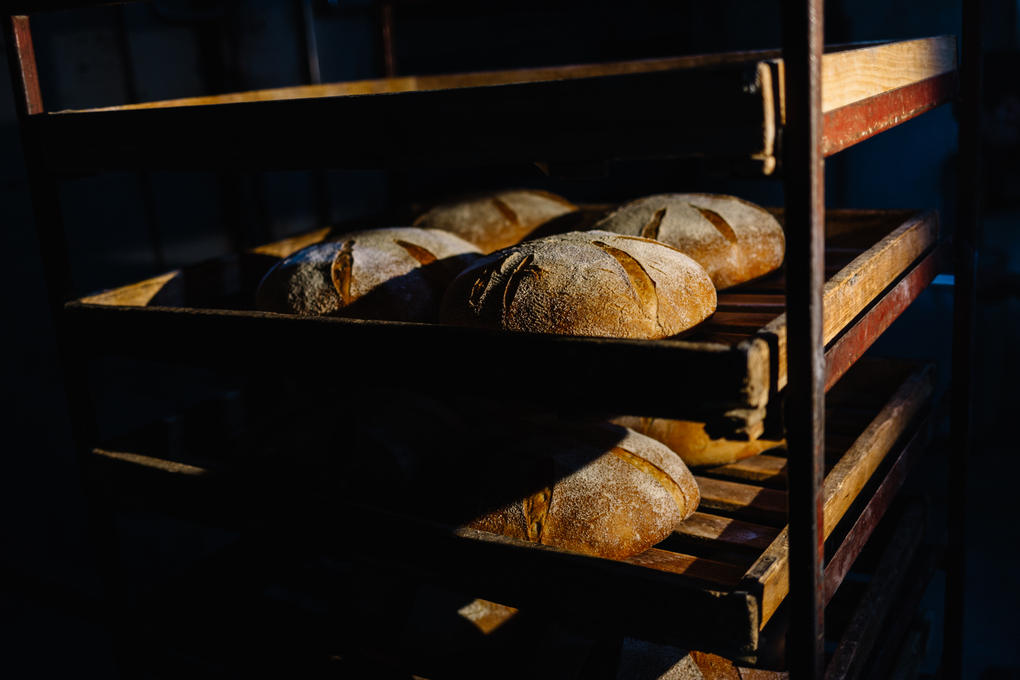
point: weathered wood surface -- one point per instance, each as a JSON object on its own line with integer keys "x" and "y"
{"x": 864, "y": 119}
{"x": 708, "y": 529}
{"x": 769, "y": 576}
{"x": 760, "y": 469}
{"x": 859, "y": 534}
{"x": 535, "y": 121}
{"x": 733, "y": 379}
{"x": 851, "y": 290}
{"x": 904, "y": 611}
{"x": 425, "y": 121}
{"x": 849, "y": 347}
{"x": 859, "y": 638}
{"x": 855, "y": 74}
{"x": 745, "y": 500}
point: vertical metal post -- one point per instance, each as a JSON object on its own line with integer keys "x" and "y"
{"x": 49, "y": 227}
{"x": 966, "y": 243}
{"x": 804, "y": 190}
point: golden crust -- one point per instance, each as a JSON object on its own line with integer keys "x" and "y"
{"x": 592, "y": 283}
{"x": 735, "y": 240}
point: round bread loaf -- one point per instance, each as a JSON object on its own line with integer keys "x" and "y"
{"x": 596, "y": 489}
{"x": 690, "y": 441}
{"x": 496, "y": 219}
{"x": 734, "y": 240}
{"x": 583, "y": 283}
{"x": 397, "y": 274}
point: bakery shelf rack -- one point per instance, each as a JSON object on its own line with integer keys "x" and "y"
{"x": 729, "y": 561}
{"x": 758, "y": 113}
{"x": 878, "y": 260}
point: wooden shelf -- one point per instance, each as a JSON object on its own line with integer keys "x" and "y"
{"x": 729, "y": 561}
{"x": 723, "y": 105}
{"x": 879, "y": 262}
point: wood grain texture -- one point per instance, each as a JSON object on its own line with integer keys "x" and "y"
{"x": 769, "y": 576}
{"x": 852, "y": 75}
{"x": 516, "y": 122}
{"x": 462, "y": 80}
{"x": 858, "y": 535}
{"x": 718, "y": 531}
{"x": 849, "y": 347}
{"x": 735, "y": 379}
{"x": 761, "y": 468}
{"x": 745, "y": 500}
{"x": 851, "y": 290}
{"x": 449, "y": 120}
{"x": 859, "y": 638}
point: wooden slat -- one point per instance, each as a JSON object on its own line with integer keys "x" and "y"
{"x": 858, "y": 338}
{"x": 851, "y": 290}
{"x": 735, "y": 379}
{"x": 463, "y": 80}
{"x": 760, "y": 468}
{"x": 859, "y": 638}
{"x": 725, "y": 532}
{"x": 864, "y": 119}
{"x": 852, "y": 75}
{"x": 426, "y": 121}
{"x": 618, "y": 596}
{"x": 769, "y": 576}
{"x": 855, "y": 540}
{"x": 536, "y": 121}
{"x": 745, "y": 500}
{"x": 713, "y": 574}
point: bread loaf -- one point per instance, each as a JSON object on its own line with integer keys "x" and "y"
{"x": 690, "y": 441}
{"x": 596, "y": 489}
{"x": 496, "y": 219}
{"x": 583, "y": 283}
{"x": 734, "y": 240}
{"x": 397, "y": 274}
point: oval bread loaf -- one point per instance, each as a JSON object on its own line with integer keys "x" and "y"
{"x": 496, "y": 219}
{"x": 397, "y": 274}
{"x": 596, "y": 489}
{"x": 690, "y": 441}
{"x": 734, "y": 240}
{"x": 583, "y": 283}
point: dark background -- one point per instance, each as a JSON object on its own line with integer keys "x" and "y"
{"x": 123, "y": 227}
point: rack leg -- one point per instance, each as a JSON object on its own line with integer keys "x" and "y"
{"x": 803, "y": 184}
{"x": 966, "y": 241}
{"x": 57, "y": 271}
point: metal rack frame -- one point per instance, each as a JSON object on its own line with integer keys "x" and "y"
{"x": 803, "y": 162}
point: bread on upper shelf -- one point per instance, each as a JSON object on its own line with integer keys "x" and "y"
{"x": 496, "y": 219}
{"x": 735, "y": 240}
{"x": 583, "y": 283}
{"x": 395, "y": 274}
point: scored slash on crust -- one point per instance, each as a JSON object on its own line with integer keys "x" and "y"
{"x": 718, "y": 222}
{"x": 642, "y": 283}
{"x": 506, "y": 211}
{"x": 343, "y": 264}
{"x": 420, "y": 254}
{"x": 651, "y": 230}
{"x": 656, "y": 473}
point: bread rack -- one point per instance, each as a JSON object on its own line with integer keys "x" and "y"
{"x": 757, "y": 98}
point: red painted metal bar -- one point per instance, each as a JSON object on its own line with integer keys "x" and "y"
{"x": 849, "y": 347}
{"x": 869, "y": 518}
{"x": 966, "y": 239}
{"x": 851, "y": 124}
{"x": 803, "y": 183}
